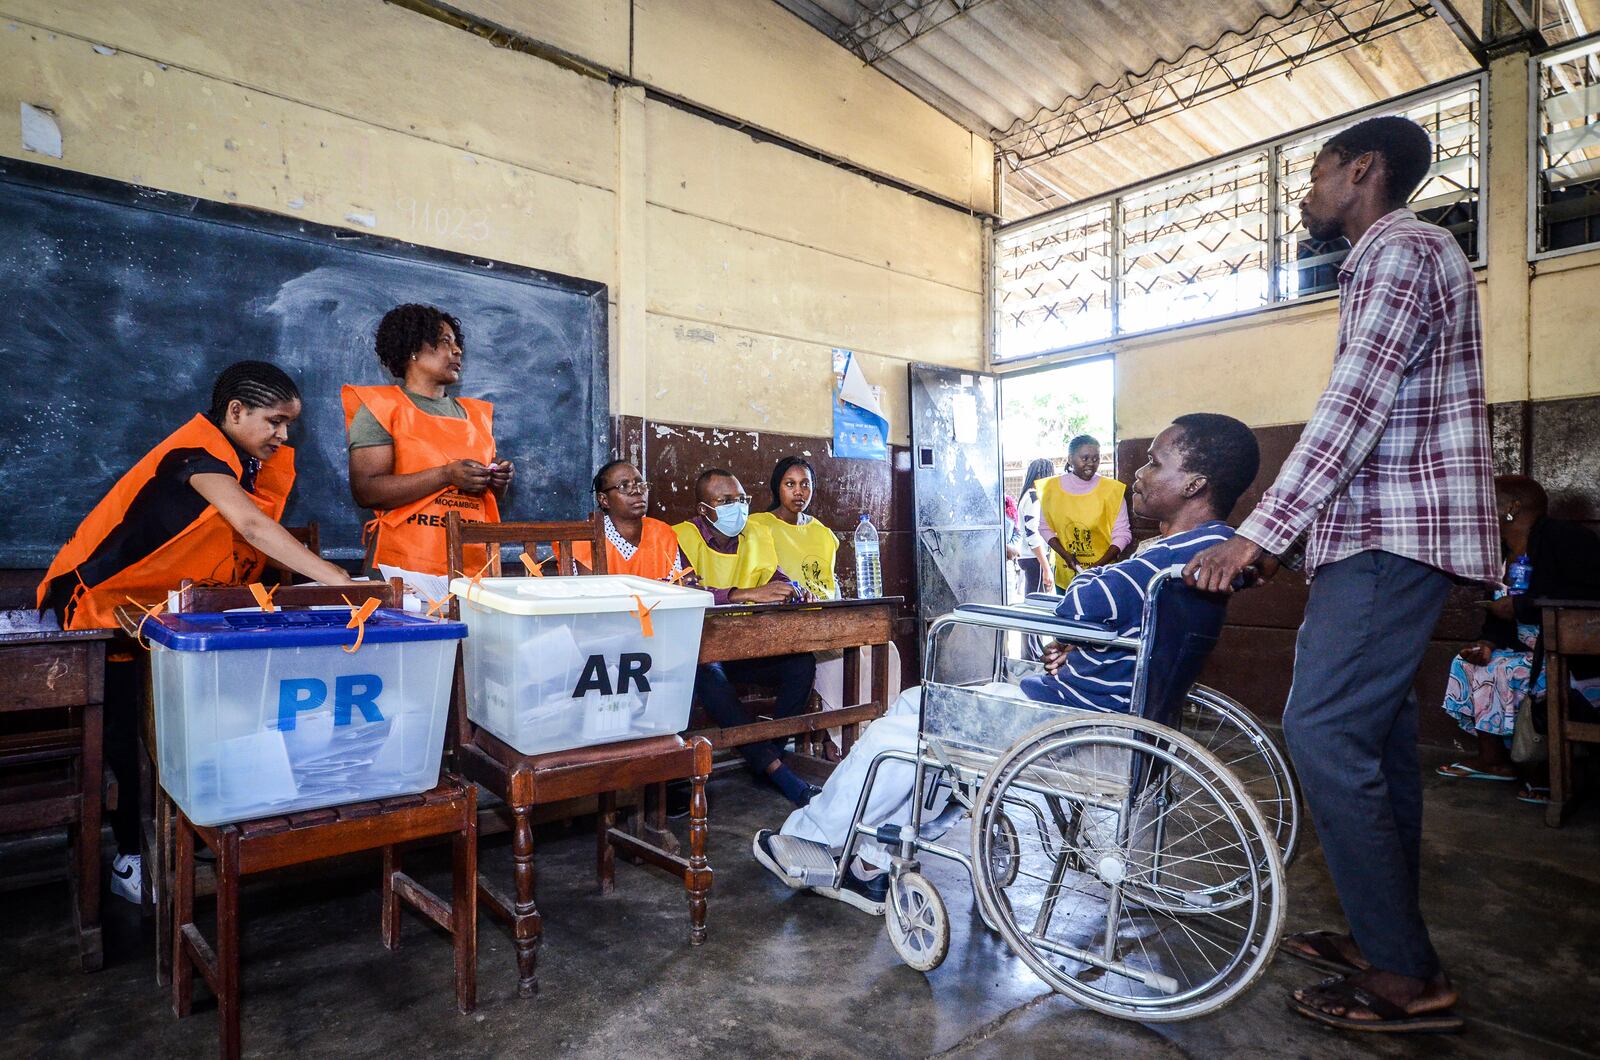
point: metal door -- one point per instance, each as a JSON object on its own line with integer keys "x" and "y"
{"x": 956, "y": 492}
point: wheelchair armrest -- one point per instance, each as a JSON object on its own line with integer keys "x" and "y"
{"x": 1033, "y": 620}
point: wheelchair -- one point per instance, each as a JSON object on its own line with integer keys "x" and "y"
{"x": 1125, "y": 863}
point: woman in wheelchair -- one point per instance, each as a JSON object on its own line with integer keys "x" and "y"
{"x": 1196, "y": 471}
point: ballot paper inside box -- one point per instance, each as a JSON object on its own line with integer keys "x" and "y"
{"x": 557, "y": 663}
{"x": 263, "y": 714}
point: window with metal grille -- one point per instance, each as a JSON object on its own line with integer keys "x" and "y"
{"x": 1194, "y": 248}
{"x": 1052, "y": 284}
{"x": 1217, "y": 240}
{"x": 1567, "y": 149}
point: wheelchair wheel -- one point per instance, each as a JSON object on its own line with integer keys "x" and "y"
{"x": 1004, "y": 850}
{"x": 1226, "y": 728}
{"x": 919, "y": 926}
{"x": 1118, "y": 909}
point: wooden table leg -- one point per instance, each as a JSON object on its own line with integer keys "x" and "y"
{"x": 464, "y": 907}
{"x": 697, "y": 879}
{"x": 391, "y": 900}
{"x": 164, "y": 887}
{"x": 182, "y": 916}
{"x": 1560, "y": 750}
{"x": 228, "y": 943}
{"x": 605, "y": 819}
{"x": 526, "y": 924}
{"x": 86, "y": 877}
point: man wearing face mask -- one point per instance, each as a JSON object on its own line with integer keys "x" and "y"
{"x": 738, "y": 563}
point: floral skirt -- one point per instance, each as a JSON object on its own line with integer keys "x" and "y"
{"x": 1484, "y": 698}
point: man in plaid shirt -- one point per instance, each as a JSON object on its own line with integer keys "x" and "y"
{"x": 1391, "y": 489}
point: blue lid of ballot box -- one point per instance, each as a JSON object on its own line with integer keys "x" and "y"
{"x": 256, "y": 630}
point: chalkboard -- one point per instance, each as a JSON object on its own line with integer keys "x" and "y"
{"x": 120, "y": 305}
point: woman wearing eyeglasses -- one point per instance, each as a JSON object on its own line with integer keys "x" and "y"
{"x": 417, "y": 453}
{"x": 635, "y": 543}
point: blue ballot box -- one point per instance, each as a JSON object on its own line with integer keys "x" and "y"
{"x": 261, "y": 714}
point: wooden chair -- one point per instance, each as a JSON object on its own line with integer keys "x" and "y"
{"x": 526, "y": 781}
{"x": 1570, "y": 628}
{"x": 52, "y": 775}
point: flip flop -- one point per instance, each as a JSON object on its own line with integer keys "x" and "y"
{"x": 1392, "y": 1019}
{"x": 1534, "y": 796}
{"x": 1462, "y": 771}
{"x": 1327, "y": 956}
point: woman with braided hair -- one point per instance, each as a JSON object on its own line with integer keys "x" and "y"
{"x": 417, "y": 453}
{"x": 202, "y": 506}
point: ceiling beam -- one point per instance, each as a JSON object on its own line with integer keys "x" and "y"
{"x": 1311, "y": 30}
{"x": 1446, "y": 10}
{"x": 898, "y": 23}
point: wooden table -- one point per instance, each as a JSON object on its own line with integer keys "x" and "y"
{"x": 754, "y": 631}
{"x": 1571, "y": 627}
{"x": 63, "y": 672}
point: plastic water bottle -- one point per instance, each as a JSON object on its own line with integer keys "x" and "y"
{"x": 1519, "y": 575}
{"x": 869, "y": 568}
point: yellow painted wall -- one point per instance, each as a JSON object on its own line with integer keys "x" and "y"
{"x": 1564, "y": 342}
{"x": 360, "y": 114}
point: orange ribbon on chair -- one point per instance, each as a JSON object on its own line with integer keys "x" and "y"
{"x": 358, "y": 621}
{"x": 150, "y": 612}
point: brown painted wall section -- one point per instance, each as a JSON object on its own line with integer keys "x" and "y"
{"x": 1551, "y": 440}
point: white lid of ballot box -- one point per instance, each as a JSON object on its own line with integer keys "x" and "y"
{"x": 581, "y": 595}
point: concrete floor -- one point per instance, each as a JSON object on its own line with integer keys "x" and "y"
{"x": 1512, "y": 906}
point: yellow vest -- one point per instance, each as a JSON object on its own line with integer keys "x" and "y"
{"x": 806, "y": 553}
{"x": 753, "y": 565}
{"x": 1082, "y": 522}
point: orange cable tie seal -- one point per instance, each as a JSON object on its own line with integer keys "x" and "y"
{"x": 646, "y": 626}
{"x": 358, "y": 621}
{"x": 263, "y": 596}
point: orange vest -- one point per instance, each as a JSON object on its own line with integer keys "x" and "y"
{"x": 653, "y": 559}
{"x": 412, "y": 537}
{"x": 207, "y": 551}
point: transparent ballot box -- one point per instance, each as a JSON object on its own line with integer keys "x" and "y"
{"x": 262, "y": 714}
{"x": 556, "y": 663}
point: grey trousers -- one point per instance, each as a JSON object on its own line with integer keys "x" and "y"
{"x": 1351, "y": 727}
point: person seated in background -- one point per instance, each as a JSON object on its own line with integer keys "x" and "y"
{"x": 1490, "y": 676}
{"x": 635, "y": 543}
{"x": 806, "y": 548}
{"x": 738, "y": 563}
{"x": 1196, "y": 471}
{"x": 1084, "y": 519}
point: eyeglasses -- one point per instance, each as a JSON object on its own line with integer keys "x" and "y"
{"x": 737, "y": 498}
{"x": 633, "y": 488}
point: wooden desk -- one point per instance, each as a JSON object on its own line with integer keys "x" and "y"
{"x": 754, "y": 631}
{"x": 63, "y": 672}
{"x": 1571, "y": 627}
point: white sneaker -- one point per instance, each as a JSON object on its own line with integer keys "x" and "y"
{"x": 127, "y": 878}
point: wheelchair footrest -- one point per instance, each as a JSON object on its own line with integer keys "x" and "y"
{"x": 804, "y": 860}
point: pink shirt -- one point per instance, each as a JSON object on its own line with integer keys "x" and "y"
{"x": 1121, "y": 534}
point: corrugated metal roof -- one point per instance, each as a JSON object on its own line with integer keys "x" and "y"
{"x": 1003, "y": 66}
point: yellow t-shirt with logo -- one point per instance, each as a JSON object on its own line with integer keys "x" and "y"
{"x": 752, "y": 566}
{"x": 806, "y": 552}
{"x": 1082, "y": 522}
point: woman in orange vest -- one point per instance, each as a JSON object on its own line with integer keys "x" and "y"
{"x": 203, "y": 505}
{"x": 416, "y": 453}
{"x": 635, "y": 543}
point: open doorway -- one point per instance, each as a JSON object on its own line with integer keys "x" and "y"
{"x": 1041, "y": 411}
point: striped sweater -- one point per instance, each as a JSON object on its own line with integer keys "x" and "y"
{"x": 1113, "y": 596}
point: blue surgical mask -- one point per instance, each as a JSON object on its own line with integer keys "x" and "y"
{"x": 731, "y": 517}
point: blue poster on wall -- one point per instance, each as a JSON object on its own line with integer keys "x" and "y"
{"x": 860, "y": 429}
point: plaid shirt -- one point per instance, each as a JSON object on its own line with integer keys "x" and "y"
{"x": 1396, "y": 456}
